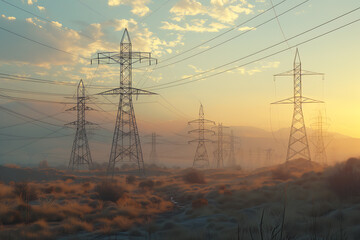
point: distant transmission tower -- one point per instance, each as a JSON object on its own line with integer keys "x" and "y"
{"x": 126, "y": 147}
{"x": 298, "y": 146}
{"x": 320, "y": 150}
{"x": 80, "y": 154}
{"x": 153, "y": 155}
{"x": 219, "y": 160}
{"x": 201, "y": 159}
{"x": 232, "y": 158}
{"x": 268, "y": 153}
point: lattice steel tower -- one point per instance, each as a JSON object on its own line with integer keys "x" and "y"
{"x": 298, "y": 146}
{"x": 153, "y": 155}
{"x": 320, "y": 150}
{"x": 232, "y": 158}
{"x": 126, "y": 147}
{"x": 201, "y": 159}
{"x": 80, "y": 154}
{"x": 219, "y": 156}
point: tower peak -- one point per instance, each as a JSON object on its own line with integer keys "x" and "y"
{"x": 297, "y": 56}
{"x": 126, "y": 37}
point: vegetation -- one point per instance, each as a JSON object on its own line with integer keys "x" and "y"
{"x": 108, "y": 191}
{"x": 193, "y": 177}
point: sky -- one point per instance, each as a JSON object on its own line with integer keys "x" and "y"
{"x": 192, "y": 39}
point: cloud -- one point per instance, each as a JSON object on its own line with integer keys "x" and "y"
{"x": 57, "y": 36}
{"x": 187, "y": 8}
{"x": 31, "y": 2}
{"x": 224, "y": 11}
{"x": 246, "y": 28}
{"x": 196, "y": 25}
{"x": 271, "y": 65}
{"x": 41, "y": 8}
{"x": 121, "y": 24}
{"x": 8, "y": 18}
{"x": 138, "y": 6}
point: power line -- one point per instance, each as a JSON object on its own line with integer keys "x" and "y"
{"x": 7, "y": 76}
{"x": 278, "y": 21}
{"x": 162, "y": 86}
{"x": 39, "y": 17}
{"x": 28, "y": 144}
{"x": 232, "y": 38}
{"x": 91, "y": 9}
{"x": 34, "y": 92}
{"x": 227, "y": 31}
{"x": 24, "y": 138}
{"x": 33, "y": 100}
{"x": 42, "y": 44}
{"x": 31, "y": 79}
{"x": 157, "y": 9}
{"x": 30, "y": 121}
{"x": 11, "y": 112}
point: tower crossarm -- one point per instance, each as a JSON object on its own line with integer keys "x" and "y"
{"x": 75, "y": 123}
{"x": 75, "y": 108}
{"x": 201, "y": 121}
{"x": 290, "y": 73}
{"x": 291, "y": 100}
{"x": 117, "y": 58}
{"x": 200, "y": 140}
{"x": 202, "y": 131}
{"x": 127, "y": 90}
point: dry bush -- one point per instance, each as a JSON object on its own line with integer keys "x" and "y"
{"x": 345, "y": 179}
{"x": 194, "y": 176}
{"x": 131, "y": 179}
{"x": 147, "y": 184}
{"x": 25, "y": 191}
{"x": 10, "y": 216}
{"x": 107, "y": 191}
{"x": 73, "y": 225}
{"x": 199, "y": 203}
{"x": 281, "y": 173}
{"x": 5, "y": 191}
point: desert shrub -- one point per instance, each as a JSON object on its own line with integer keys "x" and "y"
{"x": 25, "y": 192}
{"x": 11, "y": 216}
{"x": 147, "y": 184}
{"x": 48, "y": 190}
{"x": 345, "y": 179}
{"x": 199, "y": 203}
{"x": 158, "y": 183}
{"x": 194, "y": 176}
{"x": 107, "y": 191}
{"x": 5, "y": 191}
{"x": 281, "y": 173}
{"x": 131, "y": 179}
{"x": 72, "y": 225}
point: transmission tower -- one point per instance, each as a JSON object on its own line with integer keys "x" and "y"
{"x": 153, "y": 155}
{"x": 298, "y": 146}
{"x": 126, "y": 147}
{"x": 219, "y": 156}
{"x": 268, "y": 153}
{"x": 232, "y": 158}
{"x": 320, "y": 151}
{"x": 80, "y": 154}
{"x": 201, "y": 159}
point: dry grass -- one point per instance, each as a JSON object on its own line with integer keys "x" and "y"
{"x": 73, "y": 225}
{"x": 25, "y": 191}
